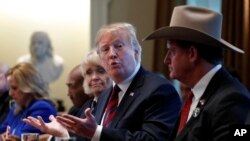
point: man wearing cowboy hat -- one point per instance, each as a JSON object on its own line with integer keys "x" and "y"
{"x": 194, "y": 57}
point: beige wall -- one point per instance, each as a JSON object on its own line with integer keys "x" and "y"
{"x": 141, "y": 13}
{"x": 69, "y": 35}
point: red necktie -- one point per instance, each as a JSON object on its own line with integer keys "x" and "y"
{"x": 112, "y": 106}
{"x": 185, "y": 110}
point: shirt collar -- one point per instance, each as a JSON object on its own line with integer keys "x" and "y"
{"x": 202, "y": 84}
{"x": 125, "y": 84}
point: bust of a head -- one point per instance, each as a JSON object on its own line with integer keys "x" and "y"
{"x": 40, "y": 46}
{"x": 48, "y": 64}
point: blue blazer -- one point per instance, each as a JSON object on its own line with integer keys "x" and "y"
{"x": 41, "y": 108}
{"x": 147, "y": 112}
{"x": 225, "y": 102}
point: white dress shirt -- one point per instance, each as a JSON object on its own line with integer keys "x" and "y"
{"x": 123, "y": 86}
{"x": 200, "y": 88}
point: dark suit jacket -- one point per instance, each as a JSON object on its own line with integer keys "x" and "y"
{"x": 225, "y": 102}
{"x": 87, "y": 104}
{"x": 74, "y": 111}
{"x": 147, "y": 112}
{"x": 81, "y": 114}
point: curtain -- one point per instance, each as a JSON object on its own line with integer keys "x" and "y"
{"x": 236, "y": 31}
{"x": 163, "y": 15}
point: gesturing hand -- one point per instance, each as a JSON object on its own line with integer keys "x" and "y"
{"x": 54, "y": 128}
{"x": 83, "y": 127}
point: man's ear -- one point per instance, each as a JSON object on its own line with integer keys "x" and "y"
{"x": 136, "y": 52}
{"x": 193, "y": 53}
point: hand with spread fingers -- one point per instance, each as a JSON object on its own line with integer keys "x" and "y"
{"x": 54, "y": 128}
{"x": 84, "y": 127}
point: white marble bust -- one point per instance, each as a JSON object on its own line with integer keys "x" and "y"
{"x": 49, "y": 65}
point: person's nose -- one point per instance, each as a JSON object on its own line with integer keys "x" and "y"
{"x": 112, "y": 52}
{"x": 167, "y": 59}
{"x": 94, "y": 75}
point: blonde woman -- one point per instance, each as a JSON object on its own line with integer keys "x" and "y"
{"x": 96, "y": 80}
{"x": 31, "y": 98}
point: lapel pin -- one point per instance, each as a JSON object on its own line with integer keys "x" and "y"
{"x": 131, "y": 94}
{"x": 196, "y": 112}
{"x": 202, "y": 102}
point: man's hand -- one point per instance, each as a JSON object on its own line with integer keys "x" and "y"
{"x": 54, "y": 128}
{"x": 82, "y": 127}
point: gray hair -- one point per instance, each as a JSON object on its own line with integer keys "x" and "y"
{"x": 129, "y": 28}
{"x": 92, "y": 58}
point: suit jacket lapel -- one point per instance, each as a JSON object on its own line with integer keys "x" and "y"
{"x": 209, "y": 92}
{"x": 129, "y": 96}
{"x": 101, "y": 104}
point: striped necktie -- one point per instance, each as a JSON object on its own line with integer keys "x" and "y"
{"x": 111, "y": 107}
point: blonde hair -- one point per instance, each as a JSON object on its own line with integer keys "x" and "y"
{"x": 29, "y": 81}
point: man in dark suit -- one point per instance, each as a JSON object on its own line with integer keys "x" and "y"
{"x": 148, "y": 105}
{"x": 76, "y": 92}
{"x": 195, "y": 55}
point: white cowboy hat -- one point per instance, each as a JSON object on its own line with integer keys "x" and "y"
{"x": 194, "y": 24}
